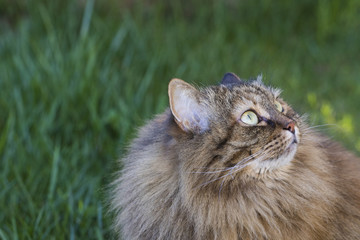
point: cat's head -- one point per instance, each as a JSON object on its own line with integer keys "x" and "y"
{"x": 235, "y": 125}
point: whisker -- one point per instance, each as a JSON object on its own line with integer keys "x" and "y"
{"x": 224, "y": 176}
{"x": 244, "y": 162}
{"x": 209, "y": 172}
{"x": 319, "y": 126}
{"x": 248, "y": 158}
{"x": 229, "y": 168}
{"x": 247, "y": 163}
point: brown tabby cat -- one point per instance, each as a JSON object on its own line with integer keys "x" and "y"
{"x": 235, "y": 161}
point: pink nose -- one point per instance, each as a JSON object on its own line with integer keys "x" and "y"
{"x": 290, "y": 126}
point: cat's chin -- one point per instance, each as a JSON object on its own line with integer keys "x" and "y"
{"x": 265, "y": 165}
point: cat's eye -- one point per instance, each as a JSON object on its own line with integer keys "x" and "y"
{"x": 249, "y": 117}
{"x": 278, "y": 106}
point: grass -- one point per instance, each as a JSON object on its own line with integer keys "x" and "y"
{"x": 78, "y": 77}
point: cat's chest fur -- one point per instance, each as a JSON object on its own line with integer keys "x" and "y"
{"x": 284, "y": 205}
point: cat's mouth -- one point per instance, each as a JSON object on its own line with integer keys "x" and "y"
{"x": 294, "y": 141}
{"x": 292, "y": 147}
{"x": 295, "y": 137}
{"x": 290, "y": 150}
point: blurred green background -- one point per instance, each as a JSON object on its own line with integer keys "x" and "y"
{"x": 78, "y": 77}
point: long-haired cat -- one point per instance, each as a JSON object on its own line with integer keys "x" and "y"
{"x": 235, "y": 161}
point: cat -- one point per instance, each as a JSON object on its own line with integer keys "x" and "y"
{"x": 235, "y": 161}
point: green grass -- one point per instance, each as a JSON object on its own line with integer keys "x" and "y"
{"x": 78, "y": 77}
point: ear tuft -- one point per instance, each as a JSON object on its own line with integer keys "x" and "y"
{"x": 259, "y": 79}
{"x": 230, "y": 78}
{"x": 189, "y": 114}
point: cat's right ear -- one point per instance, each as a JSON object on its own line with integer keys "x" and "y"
{"x": 186, "y": 108}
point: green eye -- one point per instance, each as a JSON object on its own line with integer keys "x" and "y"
{"x": 249, "y": 117}
{"x": 278, "y": 106}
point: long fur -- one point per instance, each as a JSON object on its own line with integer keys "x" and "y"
{"x": 181, "y": 185}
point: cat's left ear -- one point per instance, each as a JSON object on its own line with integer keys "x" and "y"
{"x": 230, "y": 78}
{"x": 186, "y": 108}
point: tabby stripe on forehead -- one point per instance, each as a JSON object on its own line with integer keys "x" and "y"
{"x": 261, "y": 90}
{"x": 256, "y": 90}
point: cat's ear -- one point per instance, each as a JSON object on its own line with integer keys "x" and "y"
{"x": 186, "y": 108}
{"x": 230, "y": 78}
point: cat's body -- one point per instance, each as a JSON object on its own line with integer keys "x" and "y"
{"x": 206, "y": 170}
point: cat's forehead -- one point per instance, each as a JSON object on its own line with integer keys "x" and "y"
{"x": 249, "y": 95}
{"x": 255, "y": 90}
{"x": 255, "y": 97}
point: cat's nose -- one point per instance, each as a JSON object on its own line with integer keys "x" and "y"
{"x": 290, "y": 126}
